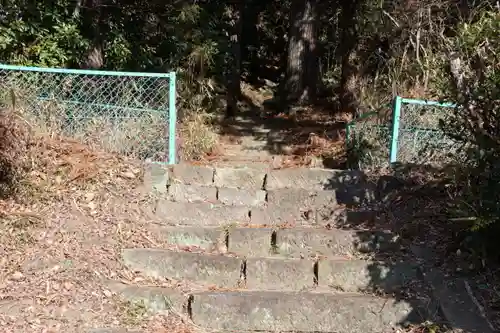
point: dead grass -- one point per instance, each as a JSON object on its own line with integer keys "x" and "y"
{"x": 198, "y": 137}
{"x": 14, "y": 144}
{"x": 61, "y": 233}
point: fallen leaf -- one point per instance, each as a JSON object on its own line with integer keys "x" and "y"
{"x": 89, "y": 196}
{"x": 128, "y": 175}
{"x": 17, "y": 276}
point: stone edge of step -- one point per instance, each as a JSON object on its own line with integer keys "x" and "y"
{"x": 196, "y": 310}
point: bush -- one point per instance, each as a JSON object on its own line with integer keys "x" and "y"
{"x": 476, "y": 125}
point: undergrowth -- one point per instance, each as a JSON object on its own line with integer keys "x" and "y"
{"x": 198, "y": 136}
{"x": 16, "y": 140}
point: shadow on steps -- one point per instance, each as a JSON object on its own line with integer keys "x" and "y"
{"x": 437, "y": 297}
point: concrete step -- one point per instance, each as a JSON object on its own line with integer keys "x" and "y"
{"x": 216, "y": 270}
{"x": 179, "y": 192}
{"x": 155, "y": 299}
{"x": 265, "y": 164}
{"x": 216, "y": 214}
{"x": 267, "y": 273}
{"x": 201, "y": 213}
{"x": 271, "y": 311}
{"x": 300, "y": 242}
{"x": 290, "y": 198}
{"x": 299, "y": 312}
{"x": 344, "y": 182}
{"x": 296, "y": 198}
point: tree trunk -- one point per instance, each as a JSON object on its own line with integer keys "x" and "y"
{"x": 93, "y": 22}
{"x": 250, "y": 39}
{"x": 234, "y": 60}
{"x": 349, "y": 82}
{"x": 302, "y": 69}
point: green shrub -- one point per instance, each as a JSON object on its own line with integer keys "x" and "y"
{"x": 476, "y": 124}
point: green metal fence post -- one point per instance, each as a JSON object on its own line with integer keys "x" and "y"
{"x": 172, "y": 119}
{"x": 396, "y": 115}
{"x": 348, "y": 135}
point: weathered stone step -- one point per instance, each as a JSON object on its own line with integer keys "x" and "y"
{"x": 216, "y": 270}
{"x": 201, "y": 214}
{"x": 296, "y": 242}
{"x": 269, "y": 273}
{"x": 306, "y": 312}
{"x": 204, "y": 238}
{"x": 158, "y": 177}
{"x": 238, "y": 197}
{"x": 216, "y": 214}
{"x": 288, "y": 198}
{"x": 347, "y": 183}
{"x": 179, "y": 192}
{"x": 155, "y": 299}
{"x": 363, "y": 275}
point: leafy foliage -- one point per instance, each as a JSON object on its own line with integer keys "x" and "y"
{"x": 476, "y": 124}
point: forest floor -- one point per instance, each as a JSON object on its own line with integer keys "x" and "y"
{"x": 63, "y": 239}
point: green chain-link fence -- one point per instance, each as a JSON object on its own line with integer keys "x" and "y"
{"x": 368, "y": 141}
{"x": 413, "y": 136}
{"x": 122, "y": 112}
{"x": 417, "y": 137}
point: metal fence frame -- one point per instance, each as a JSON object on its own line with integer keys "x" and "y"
{"x": 396, "y": 121}
{"x": 395, "y": 126}
{"x": 171, "y": 76}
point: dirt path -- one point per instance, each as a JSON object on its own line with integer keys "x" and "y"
{"x": 257, "y": 137}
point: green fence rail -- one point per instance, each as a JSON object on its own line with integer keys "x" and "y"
{"x": 130, "y": 113}
{"x": 412, "y": 136}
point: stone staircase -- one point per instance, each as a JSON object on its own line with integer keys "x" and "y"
{"x": 274, "y": 250}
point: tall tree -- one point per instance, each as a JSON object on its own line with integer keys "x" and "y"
{"x": 234, "y": 13}
{"x": 348, "y": 47}
{"x": 302, "y": 70}
{"x": 250, "y": 38}
{"x": 93, "y": 26}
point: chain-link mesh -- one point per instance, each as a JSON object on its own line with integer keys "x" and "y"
{"x": 121, "y": 114}
{"x": 368, "y": 143}
{"x": 420, "y": 138}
